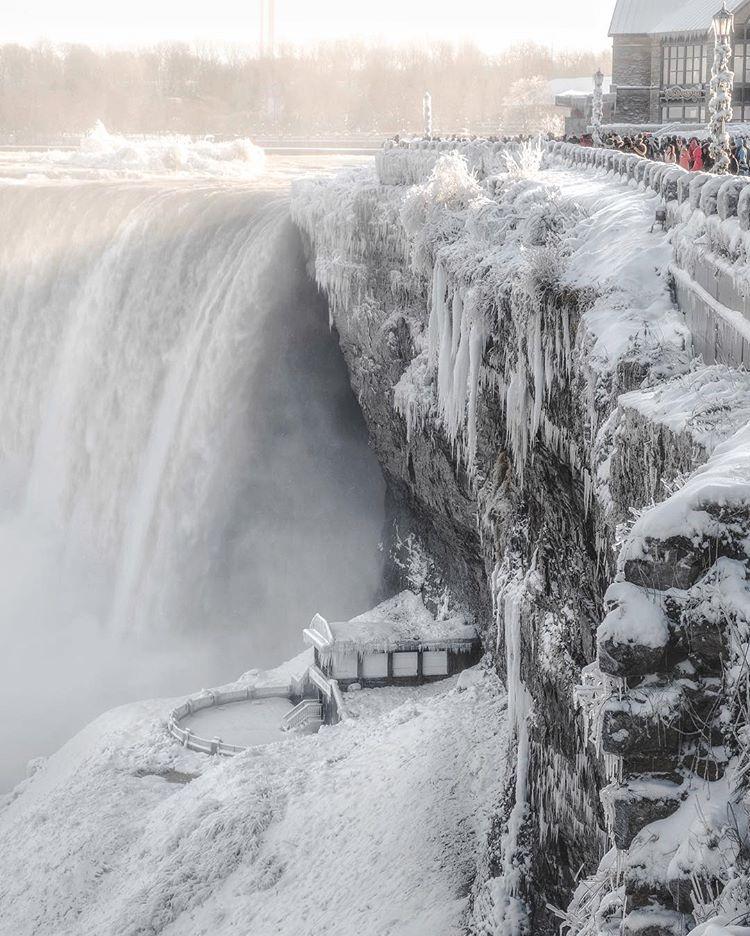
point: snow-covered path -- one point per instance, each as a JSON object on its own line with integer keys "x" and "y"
{"x": 615, "y": 252}
{"x": 372, "y": 827}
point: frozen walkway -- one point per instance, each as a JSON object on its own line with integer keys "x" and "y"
{"x": 257, "y": 721}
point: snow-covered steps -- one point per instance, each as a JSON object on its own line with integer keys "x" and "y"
{"x": 305, "y": 715}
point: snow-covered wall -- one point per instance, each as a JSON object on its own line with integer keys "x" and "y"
{"x": 508, "y": 321}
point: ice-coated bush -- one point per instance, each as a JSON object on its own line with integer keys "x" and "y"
{"x": 433, "y": 213}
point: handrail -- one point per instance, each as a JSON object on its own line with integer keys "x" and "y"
{"x": 302, "y": 713}
{"x": 339, "y": 711}
{"x": 320, "y": 680}
{"x": 208, "y": 698}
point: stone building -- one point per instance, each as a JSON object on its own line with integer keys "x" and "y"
{"x": 662, "y": 51}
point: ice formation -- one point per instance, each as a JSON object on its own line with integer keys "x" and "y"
{"x": 530, "y": 304}
{"x": 101, "y": 154}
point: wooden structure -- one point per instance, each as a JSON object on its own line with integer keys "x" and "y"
{"x": 399, "y": 643}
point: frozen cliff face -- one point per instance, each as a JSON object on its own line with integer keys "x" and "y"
{"x": 527, "y": 381}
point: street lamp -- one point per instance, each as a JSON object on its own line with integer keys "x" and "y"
{"x": 427, "y": 114}
{"x": 723, "y": 23}
{"x": 597, "y": 108}
{"x": 722, "y": 82}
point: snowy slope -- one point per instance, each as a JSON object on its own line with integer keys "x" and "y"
{"x": 372, "y": 827}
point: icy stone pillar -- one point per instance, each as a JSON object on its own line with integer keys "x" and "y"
{"x": 597, "y": 108}
{"x": 720, "y": 96}
{"x": 427, "y": 114}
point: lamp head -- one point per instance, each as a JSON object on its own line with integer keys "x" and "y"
{"x": 723, "y": 22}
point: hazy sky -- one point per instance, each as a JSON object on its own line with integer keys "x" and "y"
{"x": 494, "y": 25}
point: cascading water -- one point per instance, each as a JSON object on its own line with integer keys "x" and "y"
{"x": 184, "y": 474}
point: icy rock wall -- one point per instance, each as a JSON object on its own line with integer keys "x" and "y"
{"x": 666, "y": 700}
{"x": 507, "y": 425}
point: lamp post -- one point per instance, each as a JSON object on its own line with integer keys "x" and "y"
{"x": 597, "y": 108}
{"x": 427, "y": 114}
{"x": 720, "y": 99}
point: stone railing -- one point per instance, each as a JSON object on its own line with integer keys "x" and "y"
{"x": 209, "y": 698}
{"x": 713, "y": 297}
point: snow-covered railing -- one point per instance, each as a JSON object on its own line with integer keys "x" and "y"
{"x": 722, "y": 197}
{"x": 710, "y": 215}
{"x": 708, "y": 267}
{"x": 212, "y": 697}
{"x": 304, "y": 712}
{"x": 333, "y": 699}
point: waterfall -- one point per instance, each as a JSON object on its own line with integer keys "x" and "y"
{"x": 184, "y": 474}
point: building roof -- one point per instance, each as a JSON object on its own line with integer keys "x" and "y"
{"x": 401, "y": 620}
{"x": 657, "y": 17}
{"x": 577, "y": 87}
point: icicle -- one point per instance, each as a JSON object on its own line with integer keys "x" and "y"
{"x": 437, "y": 313}
{"x": 510, "y": 911}
{"x": 537, "y": 369}
{"x": 477, "y": 340}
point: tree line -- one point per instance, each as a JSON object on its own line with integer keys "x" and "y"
{"x": 343, "y": 87}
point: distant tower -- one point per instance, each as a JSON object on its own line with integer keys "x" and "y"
{"x": 267, "y": 28}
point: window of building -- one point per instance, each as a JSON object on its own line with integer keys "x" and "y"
{"x": 738, "y": 63}
{"x": 375, "y": 666}
{"x": 683, "y": 64}
{"x": 405, "y": 663}
{"x": 435, "y": 663}
{"x": 345, "y": 666}
{"x": 688, "y": 113}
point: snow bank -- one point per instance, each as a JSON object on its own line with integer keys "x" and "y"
{"x": 722, "y": 485}
{"x": 371, "y": 827}
{"x": 635, "y": 619}
{"x": 707, "y": 405}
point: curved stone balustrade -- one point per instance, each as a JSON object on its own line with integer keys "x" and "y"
{"x": 209, "y": 698}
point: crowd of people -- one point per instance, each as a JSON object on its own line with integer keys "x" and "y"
{"x": 690, "y": 153}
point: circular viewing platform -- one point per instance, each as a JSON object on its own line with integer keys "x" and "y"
{"x": 241, "y": 724}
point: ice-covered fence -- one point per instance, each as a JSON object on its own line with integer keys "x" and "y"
{"x": 209, "y": 698}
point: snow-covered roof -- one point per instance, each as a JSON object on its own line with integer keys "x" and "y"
{"x": 401, "y": 620}
{"x": 573, "y": 87}
{"x": 634, "y": 17}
